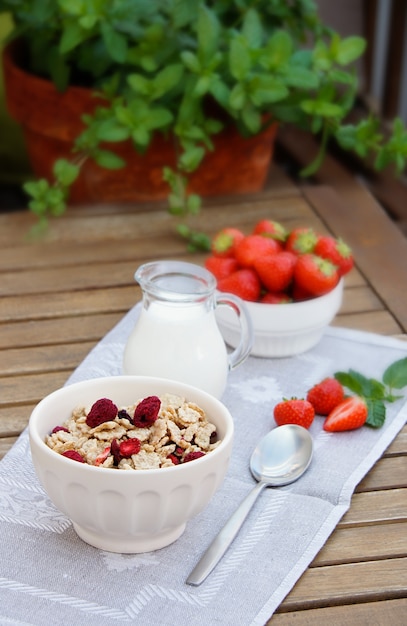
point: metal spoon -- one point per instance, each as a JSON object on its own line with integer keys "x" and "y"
{"x": 280, "y": 458}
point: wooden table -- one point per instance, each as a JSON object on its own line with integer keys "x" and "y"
{"x": 61, "y": 295}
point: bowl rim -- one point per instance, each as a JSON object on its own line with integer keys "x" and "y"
{"x": 183, "y": 389}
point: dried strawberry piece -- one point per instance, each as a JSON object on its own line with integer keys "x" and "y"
{"x": 147, "y": 412}
{"x": 191, "y": 456}
{"x": 129, "y": 447}
{"x": 58, "y": 428}
{"x": 102, "y": 456}
{"x": 74, "y": 455}
{"x": 115, "y": 450}
{"x": 103, "y": 410}
{"x": 175, "y": 459}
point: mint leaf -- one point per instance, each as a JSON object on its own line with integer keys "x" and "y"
{"x": 395, "y": 376}
{"x": 360, "y": 385}
{"x": 376, "y": 413}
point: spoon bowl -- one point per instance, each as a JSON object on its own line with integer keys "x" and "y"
{"x": 280, "y": 458}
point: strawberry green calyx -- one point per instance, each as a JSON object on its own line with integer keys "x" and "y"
{"x": 302, "y": 240}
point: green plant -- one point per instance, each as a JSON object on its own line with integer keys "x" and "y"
{"x": 188, "y": 68}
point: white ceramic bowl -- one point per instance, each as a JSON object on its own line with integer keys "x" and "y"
{"x": 282, "y": 330}
{"x": 127, "y": 511}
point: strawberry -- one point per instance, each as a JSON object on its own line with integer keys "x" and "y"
{"x": 275, "y": 298}
{"x": 316, "y": 275}
{"x": 220, "y": 266}
{"x": 349, "y": 414}
{"x": 253, "y": 247}
{"x": 326, "y": 395}
{"x": 270, "y": 228}
{"x": 276, "y": 271}
{"x": 301, "y": 240}
{"x": 294, "y": 411}
{"x": 336, "y": 251}
{"x": 243, "y": 283}
{"x": 225, "y": 241}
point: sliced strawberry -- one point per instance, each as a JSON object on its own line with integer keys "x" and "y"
{"x": 316, "y": 275}
{"x": 294, "y": 411}
{"x": 243, "y": 283}
{"x": 336, "y": 251}
{"x": 276, "y": 271}
{"x": 270, "y": 228}
{"x": 326, "y": 395}
{"x": 349, "y": 414}
{"x": 225, "y": 241}
{"x": 254, "y": 247}
{"x": 221, "y": 267}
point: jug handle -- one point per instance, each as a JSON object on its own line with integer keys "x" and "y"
{"x": 242, "y": 350}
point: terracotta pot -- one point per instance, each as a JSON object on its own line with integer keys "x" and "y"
{"x": 51, "y": 120}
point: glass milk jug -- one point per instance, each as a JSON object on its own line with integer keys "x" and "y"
{"x": 176, "y": 335}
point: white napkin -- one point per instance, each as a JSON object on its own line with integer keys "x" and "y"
{"x": 49, "y": 576}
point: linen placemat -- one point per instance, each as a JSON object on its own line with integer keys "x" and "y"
{"x": 50, "y": 576}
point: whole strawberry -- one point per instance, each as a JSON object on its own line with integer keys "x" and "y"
{"x": 225, "y": 241}
{"x": 243, "y": 283}
{"x": 315, "y": 275}
{"x": 270, "y": 228}
{"x": 301, "y": 240}
{"x": 272, "y": 297}
{"x": 326, "y": 395}
{"x": 276, "y": 271}
{"x": 336, "y": 251}
{"x": 349, "y": 414}
{"x": 254, "y": 247}
{"x": 221, "y": 267}
{"x": 294, "y": 411}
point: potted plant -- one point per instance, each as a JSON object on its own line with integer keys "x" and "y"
{"x": 183, "y": 73}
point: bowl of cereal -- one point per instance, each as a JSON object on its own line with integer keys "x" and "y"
{"x": 128, "y": 459}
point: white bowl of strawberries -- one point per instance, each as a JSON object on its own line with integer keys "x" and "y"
{"x": 292, "y": 284}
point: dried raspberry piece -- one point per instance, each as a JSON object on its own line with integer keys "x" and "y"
{"x": 175, "y": 459}
{"x": 147, "y": 412}
{"x": 74, "y": 455}
{"x": 103, "y": 410}
{"x": 129, "y": 447}
{"x": 115, "y": 450}
{"x": 191, "y": 456}
{"x": 58, "y": 428}
{"x": 102, "y": 456}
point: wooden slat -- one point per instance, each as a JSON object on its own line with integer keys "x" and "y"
{"x": 353, "y": 582}
{"x": 43, "y": 358}
{"x": 387, "y": 473}
{"x": 86, "y": 302}
{"x": 367, "y": 543}
{"x": 376, "y": 507}
{"x": 385, "y": 613}
{"x": 57, "y": 331}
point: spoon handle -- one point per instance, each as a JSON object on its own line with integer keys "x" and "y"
{"x": 222, "y": 541}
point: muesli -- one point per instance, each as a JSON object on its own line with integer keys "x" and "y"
{"x": 152, "y": 433}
